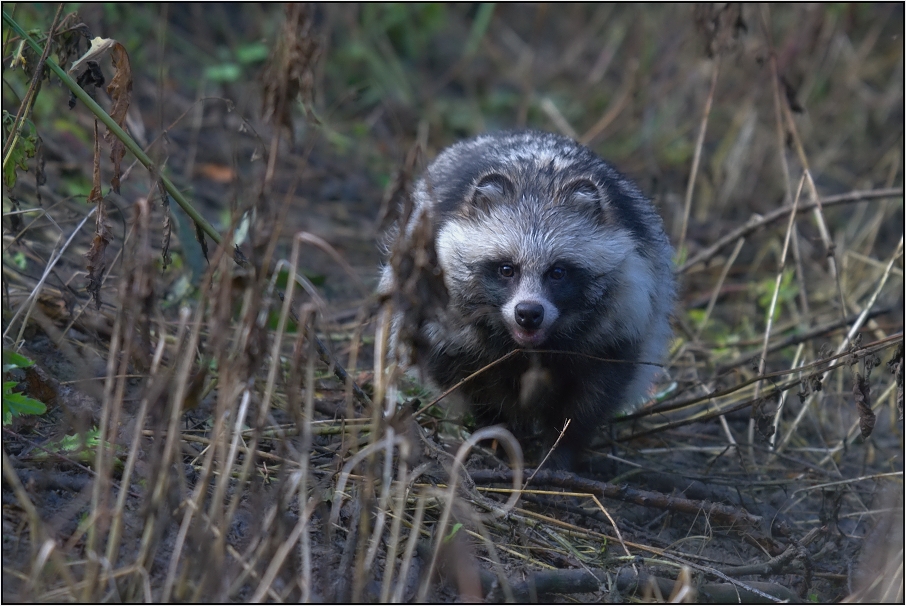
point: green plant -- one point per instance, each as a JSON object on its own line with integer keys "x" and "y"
{"x": 22, "y": 148}
{"x": 786, "y": 294}
{"x": 453, "y": 531}
{"x": 229, "y": 69}
{"x": 15, "y": 403}
{"x": 70, "y": 444}
{"x": 81, "y": 447}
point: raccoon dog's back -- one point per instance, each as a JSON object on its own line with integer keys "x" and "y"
{"x": 545, "y": 248}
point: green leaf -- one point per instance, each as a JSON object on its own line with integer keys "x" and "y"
{"x": 13, "y": 360}
{"x": 479, "y": 27}
{"x": 15, "y": 404}
{"x": 453, "y": 532}
{"x": 76, "y": 443}
{"x": 273, "y": 320}
{"x": 83, "y": 447}
{"x": 226, "y": 72}
{"x": 252, "y": 53}
{"x": 25, "y": 405}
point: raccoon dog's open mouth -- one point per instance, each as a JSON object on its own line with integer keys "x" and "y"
{"x": 528, "y": 338}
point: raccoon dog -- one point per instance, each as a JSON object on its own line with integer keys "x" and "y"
{"x": 547, "y": 249}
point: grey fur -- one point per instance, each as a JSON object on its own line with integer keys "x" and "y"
{"x": 543, "y": 246}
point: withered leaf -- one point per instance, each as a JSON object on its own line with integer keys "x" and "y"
{"x": 895, "y": 367}
{"x": 40, "y": 163}
{"x": 68, "y": 41}
{"x": 102, "y": 233}
{"x": 120, "y": 90}
{"x": 98, "y": 47}
{"x": 764, "y": 414}
{"x": 721, "y": 26}
{"x": 802, "y": 393}
{"x": 199, "y": 235}
{"x": 398, "y": 193}
{"x": 96, "y": 254}
{"x": 862, "y": 394}
{"x": 92, "y": 76}
{"x": 168, "y": 224}
{"x": 95, "y": 196}
{"x": 814, "y": 382}
{"x": 289, "y": 73}
{"x": 15, "y": 219}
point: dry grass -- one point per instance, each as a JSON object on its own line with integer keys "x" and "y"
{"x": 240, "y": 432}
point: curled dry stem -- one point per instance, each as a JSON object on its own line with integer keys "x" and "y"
{"x": 514, "y": 451}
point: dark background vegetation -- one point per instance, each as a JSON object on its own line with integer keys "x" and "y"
{"x": 781, "y": 88}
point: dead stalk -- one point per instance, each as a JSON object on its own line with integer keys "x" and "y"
{"x": 769, "y": 320}
{"x": 696, "y": 158}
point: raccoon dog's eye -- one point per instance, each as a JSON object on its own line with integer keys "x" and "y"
{"x": 557, "y": 273}
{"x": 506, "y": 270}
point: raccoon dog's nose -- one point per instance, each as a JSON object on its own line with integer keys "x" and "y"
{"x": 529, "y": 315}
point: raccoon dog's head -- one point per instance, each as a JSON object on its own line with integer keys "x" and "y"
{"x": 530, "y": 251}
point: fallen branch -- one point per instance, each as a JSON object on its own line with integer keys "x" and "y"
{"x": 528, "y": 587}
{"x": 719, "y": 514}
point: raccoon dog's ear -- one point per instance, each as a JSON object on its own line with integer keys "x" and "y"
{"x": 584, "y": 193}
{"x": 491, "y": 190}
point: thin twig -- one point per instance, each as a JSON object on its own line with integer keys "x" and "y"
{"x": 693, "y": 174}
{"x": 845, "y": 344}
{"x": 717, "y": 287}
{"x": 769, "y": 321}
{"x": 664, "y": 408}
{"x": 29, "y": 100}
{"x": 759, "y": 222}
{"x": 802, "y": 337}
{"x": 47, "y": 271}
